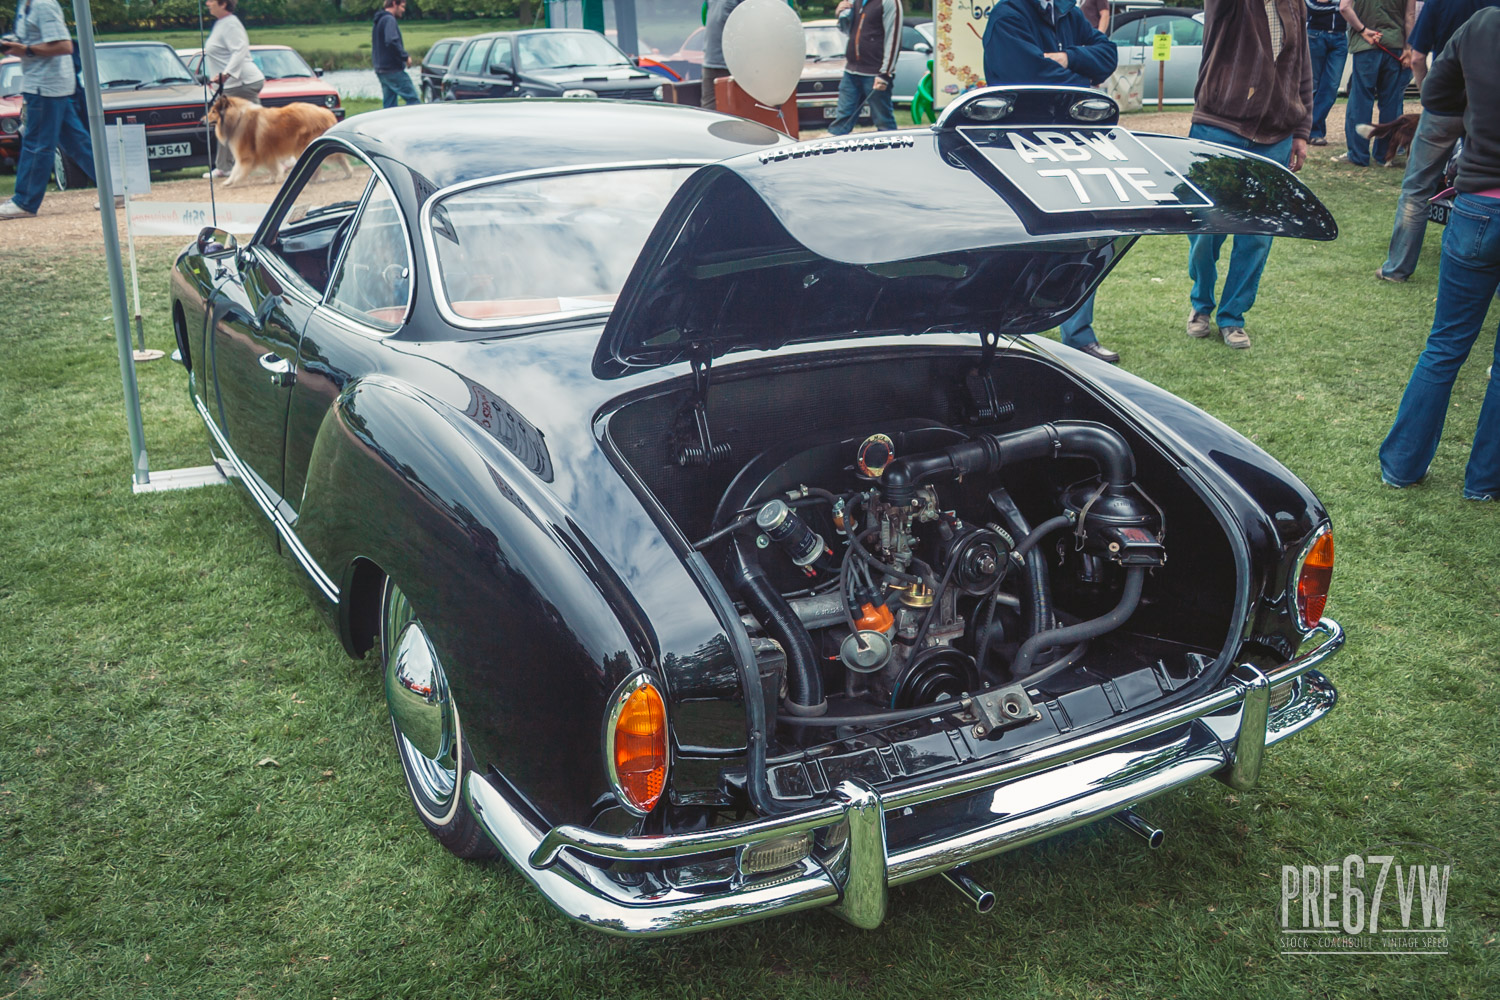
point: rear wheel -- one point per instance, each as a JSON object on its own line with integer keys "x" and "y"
{"x": 427, "y": 95}
{"x": 426, "y": 725}
{"x": 67, "y": 174}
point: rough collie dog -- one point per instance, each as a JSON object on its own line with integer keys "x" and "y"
{"x": 1398, "y": 133}
{"x": 269, "y": 138}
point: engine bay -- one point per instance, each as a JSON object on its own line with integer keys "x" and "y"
{"x": 927, "y": 582}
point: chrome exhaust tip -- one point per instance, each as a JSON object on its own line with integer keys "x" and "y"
{"x": 1130, "y": 821}
{"x": 982, "y": 898}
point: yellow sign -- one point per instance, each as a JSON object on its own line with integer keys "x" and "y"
{"x": 1161, "y": 46}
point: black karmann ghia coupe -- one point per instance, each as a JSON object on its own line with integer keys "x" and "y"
{"x": 728, "y": 548}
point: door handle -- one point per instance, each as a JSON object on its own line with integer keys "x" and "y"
{"x": 283, "y": 371}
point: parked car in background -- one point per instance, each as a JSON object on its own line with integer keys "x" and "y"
{"x": 918, "y": 42}
{"x": 10, "y": 111}
{"x": 822, "y": 69}
{"x": 146, "y": 83}
{"x": 687, "y": 61}
{"x": 1132, "y": 29}
{"x": 289, "y": 79}
{"x": 727, "y": 544}
{"x": 435, "y": 66}
{"x": 550, "y": 62}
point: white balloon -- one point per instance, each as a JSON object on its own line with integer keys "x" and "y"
{"x": 764, "y": 50}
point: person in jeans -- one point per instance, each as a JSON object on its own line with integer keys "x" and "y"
{"x": 1329, "y": 49}
{"x": 1432, "y": 146}
{"x": 390, "y": 58}
{"x": 52, "y": 121}
{"x": 1051, "y": 42}
{"x": 1462, "y": 81}
{"x": 714, "y": 66}
{"x": 874, "y": 30}
{"x": 226, "y": 60}
{"x": 1377, "y": 38}
{"x": 1254, "y": 92}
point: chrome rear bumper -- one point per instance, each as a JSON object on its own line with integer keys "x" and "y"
{"x": 978, "y": 813}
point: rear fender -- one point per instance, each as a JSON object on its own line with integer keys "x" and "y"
{"x": 530, "y": 641}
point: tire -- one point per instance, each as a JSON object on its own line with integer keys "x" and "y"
{"x": 427, "y": 95}
{"x": 427, "y": 729}
{"x": 67, "y": 174}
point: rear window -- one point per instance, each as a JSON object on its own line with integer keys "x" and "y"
{"x": 545, "y": 246}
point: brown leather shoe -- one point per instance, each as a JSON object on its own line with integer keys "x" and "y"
{"x": 1235, "y": 336}
{"x": 1200, "y": 325}
{"x": 1098, "y": 350}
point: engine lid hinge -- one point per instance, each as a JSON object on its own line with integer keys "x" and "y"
{"x": 985, "y": 404}
{"x": 706, "y": 452}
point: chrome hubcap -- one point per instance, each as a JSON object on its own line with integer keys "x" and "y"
{"x": 422, "y": 715}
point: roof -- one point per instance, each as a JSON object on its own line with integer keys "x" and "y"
{"x": 451, "y": 142}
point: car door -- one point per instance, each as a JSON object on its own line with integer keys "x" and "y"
{"x": 261, "y": 310}
{"x": 369, "y": 298}
{"x": 502, "y": 79}
{"x": 466, "y": 81}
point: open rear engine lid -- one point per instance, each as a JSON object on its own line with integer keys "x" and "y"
{"x": 998, "y": 220}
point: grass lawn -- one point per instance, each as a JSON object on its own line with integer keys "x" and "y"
{"x": 198, "y": 795}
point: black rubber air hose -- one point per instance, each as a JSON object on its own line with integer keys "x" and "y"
{"x": 804, "y": 677}
{"x": 1021, "y": 666}
{"x": 985, "y": 453}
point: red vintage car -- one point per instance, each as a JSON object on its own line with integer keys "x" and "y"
{"x": 10, "y": 111}
{"x": 288, "y": 77}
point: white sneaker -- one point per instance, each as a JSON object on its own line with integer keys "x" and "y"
{"x": 10, "y": 210}
{"x": 216, "y": 174}
{"x": 119, "y": 200}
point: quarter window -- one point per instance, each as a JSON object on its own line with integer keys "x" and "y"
{"x": 319, "y": 215}
{"x": 373, "y": 283}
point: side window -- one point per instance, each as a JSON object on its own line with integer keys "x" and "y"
{"x": 1186, "y": 31}
{"x": 319, "y": 215}
{"x": 1127, "y": 34}
{"x": 474, "y": 58}
{"x": 440, "y": 57}
{"x": 501, "y": 58}
{"x": 373, "y": 283}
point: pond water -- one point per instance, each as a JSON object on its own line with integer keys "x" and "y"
{"x": 362, "y": 82}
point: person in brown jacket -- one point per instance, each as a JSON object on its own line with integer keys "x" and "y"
{"x": 1255, "y": 92}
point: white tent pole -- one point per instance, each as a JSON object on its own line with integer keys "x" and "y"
{"x": 83, "y": 18}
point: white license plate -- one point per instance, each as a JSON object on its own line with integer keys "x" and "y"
{"x": 169, "y": 149}
{"x": 828, "y": 111}
{"x": 1084, "y": 168}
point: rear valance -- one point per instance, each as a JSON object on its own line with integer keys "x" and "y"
{"x": 990, "y": 228}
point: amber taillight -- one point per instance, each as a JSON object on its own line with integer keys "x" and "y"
{"x": 636, "y": 745}
{"x": 1313, "y": 577}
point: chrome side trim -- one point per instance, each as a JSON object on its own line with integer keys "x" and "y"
{"x": 1029, "y": 799}
{"x": 268, "y": 507}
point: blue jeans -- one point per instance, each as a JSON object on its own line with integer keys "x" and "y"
{"x": 51, "y": 123}
{"x": 1328, "y": 49}
{"x": 394, "y": 84}
{"x": 854, "y": 93}
{"x": 1376, "y": 78}
{"x": 1248, "y": 258}
{"x": 1078, "y": 329}
{"x": 1467, "y": 279}
{"x": 1430, "y": 150}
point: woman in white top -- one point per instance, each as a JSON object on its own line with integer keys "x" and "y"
{"x": 226, "y": 60}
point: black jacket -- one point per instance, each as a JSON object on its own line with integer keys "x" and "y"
{"x": 386, "y": 51}
{"x": 1469, "y": 65}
